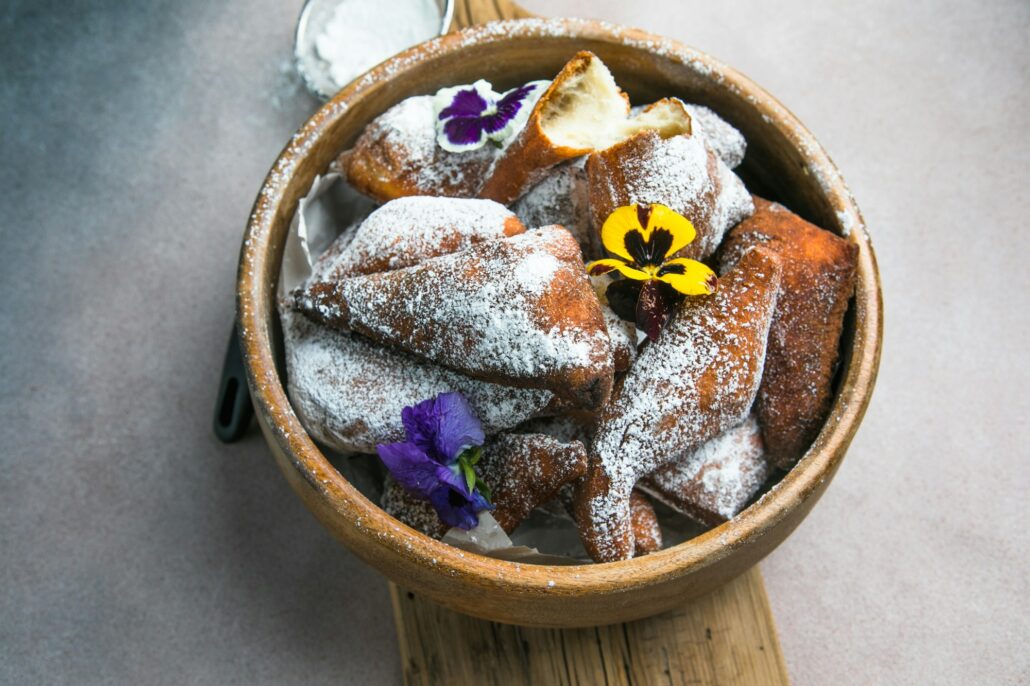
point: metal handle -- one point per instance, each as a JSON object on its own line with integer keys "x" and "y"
{"x": 233, "y": 409}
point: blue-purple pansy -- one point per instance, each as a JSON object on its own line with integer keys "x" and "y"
{"x": 437, "y": 461}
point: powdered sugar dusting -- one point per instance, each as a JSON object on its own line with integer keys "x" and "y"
{"x": 719, "y": 134}
{"x": 349, "y": 393}
{"x": 476, "y": 311}
{"x": 700, "y": 377}
{"x": 680, "y": 172}
{"x": 407, "y": 131}
{"x": 536, "y": 271}
{"x": 408, "y": 230}
{"x": 715, "y": 482}
{"x": 561, "y": 198}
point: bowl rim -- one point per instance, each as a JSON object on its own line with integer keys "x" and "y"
{"x": 255, "y": 304}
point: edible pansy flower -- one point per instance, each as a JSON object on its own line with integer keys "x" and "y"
{"x": 643, "y": 240}
{"x": 469, "y": 116}
{"x": 436, "y": 462}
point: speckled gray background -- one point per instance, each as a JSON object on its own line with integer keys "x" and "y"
{"x": 136, "y": 549}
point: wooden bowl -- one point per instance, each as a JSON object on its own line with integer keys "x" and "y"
{"x": 783, "y": 161}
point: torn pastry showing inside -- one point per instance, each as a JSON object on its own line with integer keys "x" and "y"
{"x": 559, "y": 327}
{"x": 589, "y": 111}
{"x": 579, "y": 109}
{"x": 581, "y": 112}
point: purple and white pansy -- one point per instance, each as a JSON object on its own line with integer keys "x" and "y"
{"x": 436, "y": 462}
{"x": 468, "y": 116}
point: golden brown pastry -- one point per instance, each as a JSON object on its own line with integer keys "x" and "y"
{"x": 522, "y": 471}
{"x": 397, "y": 155}
{"x": 527, "y": 470}
{"x": 519, "y": 311}
{"x": 719, "y": 135}
{"x": 564, "y": 425}
{"x": 406, "y": 231}
{"x": 349, "y": 392}
{"x": 647, "y": 534}
{"x": 680, "y": 172}
{"x": 561, "y": 198}
{"x": 713, "y": 483}
{"x": 696, "y": 380}
{"x": 415, "y": 512}
{"x": 818, "y": 281}
{"x": 581, "y": 111}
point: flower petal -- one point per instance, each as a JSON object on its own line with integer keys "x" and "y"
{"x": 455, "y": 507}
{"x": 680, "y": 229}
{"x": 512, "y": 110}
{"x": 652, "y": 309}
{"x": 622, "y": 296}
{"x": 463, "y": 101}
{"x": 458, "y": 427}
{"x": 442, "y": 427}
{"x": 613, "y": 232}
{"x": 689, "y": 277}
{"x": 479, "y": 502}
{"x": 411, "y": 467}
{"x": 452, "y": 475}
{"x": 457, "y": 111}
{"x": 648, "y": 251}
{"x": 608, "y": 264}
{"x": 421, "y": 424}
{"x": 461, "y": 134}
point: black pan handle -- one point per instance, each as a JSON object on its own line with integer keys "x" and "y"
{"x": 233, "y": 410}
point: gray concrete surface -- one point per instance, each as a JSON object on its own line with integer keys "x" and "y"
{"x": 136, "y": 549}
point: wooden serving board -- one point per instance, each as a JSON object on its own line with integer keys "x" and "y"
{"x": 726, "y": 637}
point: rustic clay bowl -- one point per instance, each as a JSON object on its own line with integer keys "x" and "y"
{"x": 783, "y": 161}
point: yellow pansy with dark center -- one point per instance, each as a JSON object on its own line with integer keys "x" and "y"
{"x": 643, "y": 239}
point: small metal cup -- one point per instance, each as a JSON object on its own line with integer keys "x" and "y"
{"x": 313, "y": 17}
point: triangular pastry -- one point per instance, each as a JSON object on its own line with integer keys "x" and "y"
{"x": 713, "y": 483}
{"x": 519, "y": 311}
{"x": 406, "y": 231}
{"x": 527, "y": 470}
{"x": 804, "y": 341}
{"x": 696, "y": 380}
{"x": 349, "y": 392}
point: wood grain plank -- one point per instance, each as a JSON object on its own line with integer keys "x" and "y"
{"x": 726, "y": 637}
{"x": 470, "y": 12}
